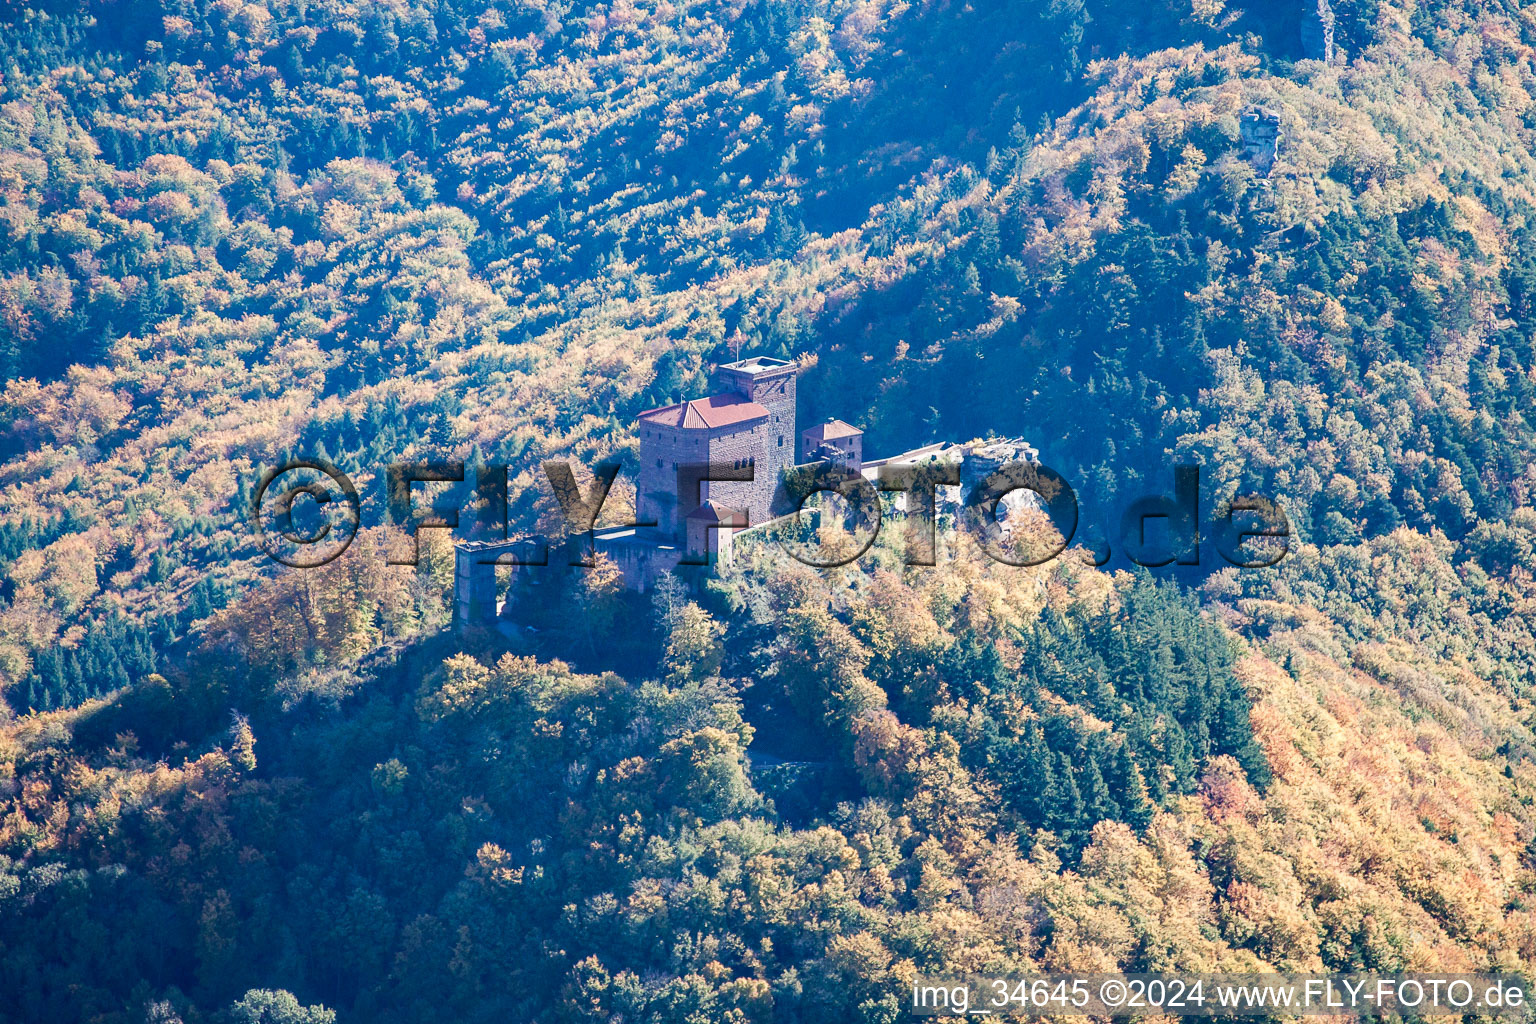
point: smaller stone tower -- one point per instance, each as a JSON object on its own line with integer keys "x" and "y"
{"x": 837, "y": 442}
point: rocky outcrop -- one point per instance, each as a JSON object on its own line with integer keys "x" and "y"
{"x": 1261, "y": 134}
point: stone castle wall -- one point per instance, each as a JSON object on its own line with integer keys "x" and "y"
{"x": 742, "y": 450}
{"x": 662, "y": 450}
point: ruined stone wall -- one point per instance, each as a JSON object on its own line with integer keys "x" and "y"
{"x": 474, "y": 588}
{"x": 474, "y": 574}
{"x": 640, "y": 563}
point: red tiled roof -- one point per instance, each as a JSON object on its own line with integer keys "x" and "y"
{"x": 831, "y": 430}
{"x": 714, "y": 512}
{"x": 713, "y": 412}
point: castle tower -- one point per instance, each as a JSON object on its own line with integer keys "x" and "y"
{"x": 770, "y": 383}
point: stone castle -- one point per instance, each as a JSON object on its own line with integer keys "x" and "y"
{"x": 748, "y": 425}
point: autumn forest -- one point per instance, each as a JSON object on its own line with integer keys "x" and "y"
{"x": 1292, "y": 243}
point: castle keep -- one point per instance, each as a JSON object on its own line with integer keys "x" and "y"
{"x": 748, "y": 424}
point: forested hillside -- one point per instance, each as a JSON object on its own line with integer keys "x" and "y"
{"x": 495, "y": 231}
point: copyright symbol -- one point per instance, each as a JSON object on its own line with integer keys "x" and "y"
{"x": 1112, "y": 992}
{"x": 288, "y": 543}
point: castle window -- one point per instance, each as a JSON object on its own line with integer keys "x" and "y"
{"x": 658, "y": 463}
{"x": 781, "y": 440}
